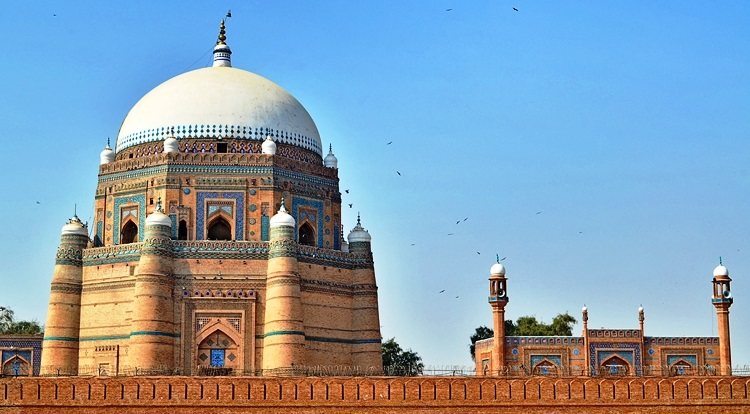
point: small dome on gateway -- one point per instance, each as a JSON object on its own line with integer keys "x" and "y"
{"x": 497, "y": 269}
{"x": 282, "y": 218}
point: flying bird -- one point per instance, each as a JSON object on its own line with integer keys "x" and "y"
{"x": 479, "y": 253}
{"x": 413, "y": 244}
{"x": 350, "y": 205}
{"x": 448, "y": 9}
{"x": 538, "y": 213}
{"x": 346, "y": 191}
{"x": 389, "y": 143}
{"x": 456, "y": 297}
{"x": 442, "y": 291}
{"x": 466, "y": 218}
{"x": 503, "y": 258}
{"x": 515, "y": 9}
{"x": 458, "y": 221}
{"x": 450, "y": 234}
{"x": 38, "y": 202}
{"x": 229, "y": 13}
{"x": 398, "y": 172}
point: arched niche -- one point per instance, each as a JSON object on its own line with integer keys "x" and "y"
{"x": 306, "y": 235}
{"x": 182, "y": 230}
{"x": 545, "y": 367}
{"x": 129, "y": 232}
{"x": 219, "y": 229}
{"x": 615, "y": 366}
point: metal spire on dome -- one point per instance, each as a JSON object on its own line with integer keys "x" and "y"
{"x": 222, "y": 52}
{"x": 359, "y": 223}
{"x": 282, "y": 207}
{"x": 158, "y": 205}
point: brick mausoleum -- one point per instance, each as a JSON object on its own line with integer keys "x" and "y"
{"x": 217, "y": 244}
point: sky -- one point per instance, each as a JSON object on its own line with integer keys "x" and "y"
{"x": 602, "y": 147}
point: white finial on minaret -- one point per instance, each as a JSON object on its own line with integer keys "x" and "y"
{"x": 222, "y": 53}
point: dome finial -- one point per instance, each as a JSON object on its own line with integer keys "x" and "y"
{"x": 158, "y": 205}
{"x": 107, "y": 143}
{"x": 222, "y": 52}
{"x": 720, "y": 263}
{"x": 330, "y": 148}
{"x": 222, "y": 34}
{"x": 282, "y": 207}
{"x": 359, "y": 222}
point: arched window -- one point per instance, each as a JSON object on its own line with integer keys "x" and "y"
{"x": 182, "y": 230}
{"x": 545, "y": 368}
{"x": 129, "y": 233}
{"x": 306, "y": 235}
{"x": 219, "y": 229}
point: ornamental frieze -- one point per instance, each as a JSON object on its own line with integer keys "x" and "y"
{"x": 72, "y": 256}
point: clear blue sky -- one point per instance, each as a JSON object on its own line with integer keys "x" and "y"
{"x": 624, "y": 123}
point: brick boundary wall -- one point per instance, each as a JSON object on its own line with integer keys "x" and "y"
{"x": 177, "y": 395}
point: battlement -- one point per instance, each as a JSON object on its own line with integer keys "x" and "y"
{"x": 376, "y": 394}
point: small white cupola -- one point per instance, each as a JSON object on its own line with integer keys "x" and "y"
{"x": 268, "y": 147}
{"x": 75, "y": 226}
{"x": 171, "y": 146}
{"x": 107, "y": 155}
{"x": 330, "y": 160}
{"x": 158, "y": 218}
{"x": 358, "y": 233}
{"x": 282, "y": 217}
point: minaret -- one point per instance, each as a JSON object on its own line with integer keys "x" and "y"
{"x": 586, "y": 355}
{"x": 284, "y": 329}
{"x": 641, "y": 320}
{"x": 366, "y": 350}
{"x": 222, "y": 53}
{"x": 722, "y": 300}
{"x": 61, "y": 332}
{"x": 498, "y": 299}
{"x": 152, "y": 336}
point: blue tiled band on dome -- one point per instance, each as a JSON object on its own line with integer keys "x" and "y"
{"x": 218, "y": 131}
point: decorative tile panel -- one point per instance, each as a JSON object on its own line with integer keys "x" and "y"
{"x": 140, "y": 200}
{"x": 308, "y": 204}
{"x": 239, "y": 199}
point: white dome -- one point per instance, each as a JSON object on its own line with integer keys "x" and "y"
{"x": 497, "y": 269}
{"x": 106, "y": 156}
{"x": 74, "y": 226}
{"x": 219, "y": 102}
{"x": 268, "y": 146}
{"x": 171, "y": 145}
{"x": 282, "y": 218}
{"x": 330, "y": 160}
{"x": 720, "y": 270}
{"x": 158, "y": 218}
{"x": 359, "y": 234}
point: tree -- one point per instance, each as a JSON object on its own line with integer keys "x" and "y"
{"x": 399, "y": 362}
{"x": 6, "y": 318}
{"x": 480, "y": 333}
{"x": 562, "y": 325}
{"x": 8, "y": 324}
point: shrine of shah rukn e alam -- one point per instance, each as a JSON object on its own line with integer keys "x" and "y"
{"x": 217, "y": 243}
{"x": 217, "y": 248}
